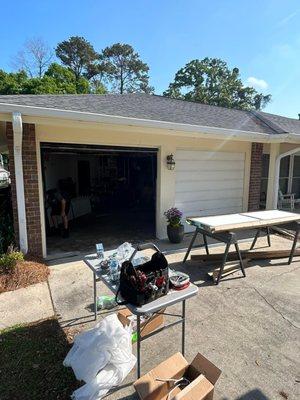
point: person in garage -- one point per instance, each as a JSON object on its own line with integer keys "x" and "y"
{"x": 59, "y": 203}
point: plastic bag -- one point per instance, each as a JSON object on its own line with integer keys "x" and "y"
{"x": 106, "y": 302}
{"x": 93, "y": 350}
{"x": 111, "y": 376}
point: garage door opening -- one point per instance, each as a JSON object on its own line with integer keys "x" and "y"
{"x": 109, "y": 193}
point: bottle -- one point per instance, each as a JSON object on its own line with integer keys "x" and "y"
{"x": 114, "y": 269}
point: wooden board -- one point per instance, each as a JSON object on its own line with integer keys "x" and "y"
{"x": 246, "y": 254}
{"x": 227, "y": 271}
{"x": 251, "y": 220}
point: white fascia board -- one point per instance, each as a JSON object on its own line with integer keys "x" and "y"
{"x": 201, "y": 131}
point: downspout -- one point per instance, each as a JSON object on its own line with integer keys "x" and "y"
{"x": 19, "y": 177}
{"x": 277, "y": 171}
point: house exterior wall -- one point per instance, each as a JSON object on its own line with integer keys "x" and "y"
{"x": 55, "y": 131}
{"x": 255, "y": 176}
{"x": 31, "y": 186}
{"x": 104, "y": 134}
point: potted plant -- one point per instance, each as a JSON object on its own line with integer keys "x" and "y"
{"x": 175, "y": 229}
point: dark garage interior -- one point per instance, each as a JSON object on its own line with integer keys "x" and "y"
{"x": 110, "y": 195}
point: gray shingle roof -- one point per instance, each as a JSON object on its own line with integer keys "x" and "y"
{"x": 159, "y": 108}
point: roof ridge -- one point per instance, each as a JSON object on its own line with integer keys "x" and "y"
{"x": 275, "y": 127}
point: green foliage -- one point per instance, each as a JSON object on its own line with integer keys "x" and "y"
{"x": 210, "y": 81}
{"x": 9, "y": 260}
{"x": 122, "y": 67}
{"x": 56, "y": 80}
{"x": 78, "y": 54}
{"x": 12, "y": 83}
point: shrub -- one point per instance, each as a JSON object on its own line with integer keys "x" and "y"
{"x": 9, "y": 260}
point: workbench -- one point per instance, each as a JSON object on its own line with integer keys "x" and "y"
{"x": 223, "y": 228}
{"x": 154, "y": 307}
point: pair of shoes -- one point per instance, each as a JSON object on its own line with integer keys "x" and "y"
{"x": 65, "y": 233}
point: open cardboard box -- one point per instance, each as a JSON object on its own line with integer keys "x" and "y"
{"x": 201, "y": 373}
{"x": 147, "y": 327}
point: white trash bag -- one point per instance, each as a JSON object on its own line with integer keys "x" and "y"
{"x": 107, "y": 346}
{"x": 111, "y": 376}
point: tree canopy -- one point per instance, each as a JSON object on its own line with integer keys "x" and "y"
{"x": 123, "y": 69}
{"x": 210, "y": 81}
{"x": 56, "y": 80}
{"x": 78, "y": 54}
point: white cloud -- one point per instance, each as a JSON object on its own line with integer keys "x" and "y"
{"x": 260, "y": 84}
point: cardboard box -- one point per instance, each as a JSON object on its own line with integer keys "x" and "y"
{"x": 147, "y": 327}
{"x": 201, "y": 373}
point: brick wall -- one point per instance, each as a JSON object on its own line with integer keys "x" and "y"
{"x": 255, "y": 176}
{"x": 30, "y": 187}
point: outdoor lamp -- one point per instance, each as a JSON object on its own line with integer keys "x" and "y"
{"x": 170, "y": 162}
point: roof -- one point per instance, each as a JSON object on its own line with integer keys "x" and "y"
{"x": 159, "y": 108}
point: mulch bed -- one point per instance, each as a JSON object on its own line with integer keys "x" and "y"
{"x": 24, "y": 274}
{"x": 32, "y": 363}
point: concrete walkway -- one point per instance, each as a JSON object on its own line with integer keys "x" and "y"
{"x": 249, "y": 327}
{"x": 25, "y": 305}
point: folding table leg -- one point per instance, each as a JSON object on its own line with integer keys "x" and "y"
{"x": 138, "y": 350}
{"x": 95, "y": 296}
{"x": 223, "y": 262}
{"x": 183, "y": 329}
{"x": 190, "y": 246}
{"x": 294, "y": 242}
{"x": 255, "y": 239}
{"x": 237, "y": 249}
{"x": 205, "y": 243}
{"x": 268, "y": 236}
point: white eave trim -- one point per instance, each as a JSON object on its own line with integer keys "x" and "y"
{"x": 205, "y": 131}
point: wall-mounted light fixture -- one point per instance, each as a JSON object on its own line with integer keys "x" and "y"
{"x": 170, "y": 162}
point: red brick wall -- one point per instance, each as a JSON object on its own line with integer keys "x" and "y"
{"x": 255, "y": 176}
{"x": 31, "y": 190}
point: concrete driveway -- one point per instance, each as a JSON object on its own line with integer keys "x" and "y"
{"x": 248, "y": 327}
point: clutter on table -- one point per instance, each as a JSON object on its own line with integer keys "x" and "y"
{"x": 144, "y": 283}
{"x": 176, "y": 378}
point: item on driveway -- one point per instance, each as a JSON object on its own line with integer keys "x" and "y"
{"x": 106, "y": 348}
{"x": 223, "y": 227}
{"x": 149, "y": 323}
{"x": 106, "y": 302}
{"x": 175, "y": 377}
{"x": 156, "y": 306}
{"x": 144, "y": 283}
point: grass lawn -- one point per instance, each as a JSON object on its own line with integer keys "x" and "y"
{"x": 31, "y": 359}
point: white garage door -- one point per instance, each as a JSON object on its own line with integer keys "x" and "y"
{"x": 209, "y": 183}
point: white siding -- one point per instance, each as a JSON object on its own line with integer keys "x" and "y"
{"x": 209, "y": 183}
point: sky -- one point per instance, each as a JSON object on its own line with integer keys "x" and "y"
{"x": 261, "y": 38}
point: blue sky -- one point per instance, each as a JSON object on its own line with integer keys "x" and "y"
{"x": 261, "y": 38}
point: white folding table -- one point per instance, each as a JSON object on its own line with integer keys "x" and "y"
{"x": 223, "y": 227}
{"x": 173, "y": 297}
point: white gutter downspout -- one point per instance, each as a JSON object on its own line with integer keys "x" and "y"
{"x": 277, "y": 172}
{"x": 17, "y": 138}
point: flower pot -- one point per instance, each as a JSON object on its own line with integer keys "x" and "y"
{"x": 175, "y": 233}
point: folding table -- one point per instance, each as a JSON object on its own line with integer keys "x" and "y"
{"x": 223, "y": 227}
{"x": 173, "y": 297}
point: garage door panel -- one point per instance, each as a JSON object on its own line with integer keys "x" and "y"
{"x": 218, "y": 185}
{"x": 211, "y": 175}
{"x": 192, "y": 155}
{"x": 208, "y": 165}
{"x": 209, "y": 183}
{"x": 210, "y": 194}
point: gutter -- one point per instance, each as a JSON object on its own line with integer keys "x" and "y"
{"x": 18, "y": 161}
{"x": 172, "y": 127}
